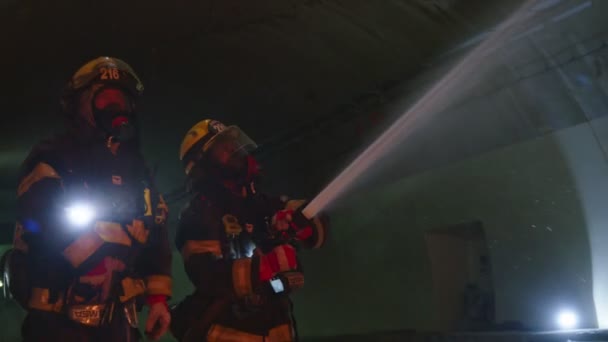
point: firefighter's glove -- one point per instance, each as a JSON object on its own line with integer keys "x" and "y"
{"x": 295, "y": 221}
{"x": 281, "y": 259}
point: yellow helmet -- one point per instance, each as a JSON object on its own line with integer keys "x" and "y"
{"x": 204, "y": 135}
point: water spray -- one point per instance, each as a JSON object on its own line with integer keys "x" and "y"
{"x": 433, "y": 101}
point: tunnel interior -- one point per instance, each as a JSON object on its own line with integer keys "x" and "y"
{"x": 483, "y": 212}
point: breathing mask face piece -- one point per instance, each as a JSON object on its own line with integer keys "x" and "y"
{"x": 226, "y": 156}
{"x": 114, "y": 113}
{"x": 229, "y": 151}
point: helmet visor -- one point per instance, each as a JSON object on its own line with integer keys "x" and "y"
{"x": 228, "y": 145}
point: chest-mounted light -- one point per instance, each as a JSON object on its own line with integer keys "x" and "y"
{"x": 80, "y": 214}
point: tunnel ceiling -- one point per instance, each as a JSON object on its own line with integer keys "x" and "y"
{"x": 268, "y": 65}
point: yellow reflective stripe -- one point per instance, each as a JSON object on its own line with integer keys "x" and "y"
{"x": 281, "y": 333}
{"x": 148, "y": 201}
{"x": 201, "y": 246}
{"x": 219, "y": 333}
{"x": 294, "y": 204}
{"x": 132, "y": 288}
{"x": 320, "y": 228}
{"x": 39, "y": 300}
{"x": 159, "y": 285}
{"x": 87, "y": 244}
{"x": 40, "y": 172}
{"x": 112, "y": 232}
{"x": 241, "y": 277}
{"x": 138, "y": 231}
{"x": 81, "y": 249}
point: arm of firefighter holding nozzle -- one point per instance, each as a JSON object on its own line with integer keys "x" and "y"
{"x": 199, "y": 239}
{"x": 293, "y": 224}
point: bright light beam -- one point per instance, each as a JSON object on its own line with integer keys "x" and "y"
{"x": 80, "y": 214}
{"x": 567, "y": 319}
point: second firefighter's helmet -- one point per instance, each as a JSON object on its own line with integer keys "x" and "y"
{"x": 211, "y": 142}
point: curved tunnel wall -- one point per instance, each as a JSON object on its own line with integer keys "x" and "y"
{"x": 375, "y": 274}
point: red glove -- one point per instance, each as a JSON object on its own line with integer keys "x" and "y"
{"x": 281, "y": 259}
{"x": 284, "y": 220}
{"x": 159, "y": 317}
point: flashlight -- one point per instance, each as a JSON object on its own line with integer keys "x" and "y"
{"x": 80, "y": 214}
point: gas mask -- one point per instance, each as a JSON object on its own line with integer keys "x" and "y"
{"x": 228, "y": 152}
{"x": 113, "y": 113}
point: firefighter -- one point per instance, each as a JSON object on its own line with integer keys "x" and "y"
{"x": 91, "y": 244}
{"x": 238, "y": 244}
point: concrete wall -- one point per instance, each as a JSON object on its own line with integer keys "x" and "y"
{"x": 523, "y": 150}
{"x": 534, "y": 201}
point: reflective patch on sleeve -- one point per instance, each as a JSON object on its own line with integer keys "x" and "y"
{"x": 112, "y": 232}
{"x": 132, "y": 288}
{"x": 283, "y": 333}
{"x": 40, "y": 172}
{"x": 39, "y": 300}
{"x": 159, "y": 285}
{"x": 294, "y": 279}
{"x": 200, "y": 247}
{"x": 220, "y": 333}
{"x": 241, "y": 277}
{"x": 87, "y": 244}
{"x": 148, "y": 202}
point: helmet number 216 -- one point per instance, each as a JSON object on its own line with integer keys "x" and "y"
{"x": 109, "y": 74}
